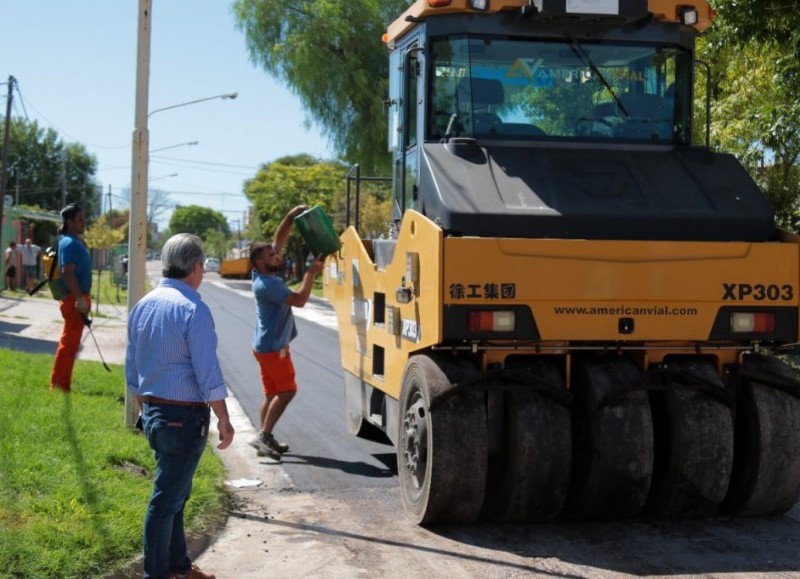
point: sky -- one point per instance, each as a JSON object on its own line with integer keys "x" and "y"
{"x": 75, "y": 65}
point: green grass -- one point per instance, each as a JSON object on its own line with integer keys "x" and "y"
{"x": 74, "y": 480}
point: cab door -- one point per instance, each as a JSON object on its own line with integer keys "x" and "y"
{"x": 405, "y": 123}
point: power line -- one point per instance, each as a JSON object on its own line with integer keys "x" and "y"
{"x": 22, "y": 101}
{"x": 208, "y": 194}
{"x": 241, "y": 174}
{"x": 195, "y": 168}
{"x": 54, "y": 126}
{"x": 208, "y": 163}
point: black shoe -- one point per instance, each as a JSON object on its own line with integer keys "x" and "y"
{"x": 276, "y": 444}
{"x": 263, "y": 449}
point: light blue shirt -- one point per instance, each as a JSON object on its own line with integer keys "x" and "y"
{"x": 274, "y": 319}
{"x": 172, "y": 346}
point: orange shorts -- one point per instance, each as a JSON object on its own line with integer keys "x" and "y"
{"x": 277, "y": 371}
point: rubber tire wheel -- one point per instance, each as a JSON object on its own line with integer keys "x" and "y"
{"x": 694, "y": 448}
{"x": 536, "y": 464}
{"x": 766, "y": 472}
{"x": 441, "y": 454}
{"x": 612, "y": 456}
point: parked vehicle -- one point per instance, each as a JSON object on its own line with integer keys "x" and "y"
{"x": 211, "y": 264}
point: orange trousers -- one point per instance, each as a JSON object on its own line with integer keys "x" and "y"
{"x": 68, "y": 344}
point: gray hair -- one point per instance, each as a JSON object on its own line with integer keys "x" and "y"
{"x": 180, "y": 254}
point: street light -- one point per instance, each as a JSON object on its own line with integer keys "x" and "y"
{"x": 137, "y": 233}
{"x": 189, "y": 144}
{"x": 227, "y": 95}
{"x": 162, "y": 177}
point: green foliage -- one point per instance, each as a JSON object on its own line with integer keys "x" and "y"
{"x": 755, "y": 112}
{"x": 216, "y": 243}
{"x": 42, "y": 165}
{"x": 375, "y": 212}
{"x": 102, "y": 236}
{"x": 762, "y": 20}
{"x": 330, "y": 54}
{"x": 74, "y": 481}
{"x": 198, "y": 220}
{"x": 774, "y": 22}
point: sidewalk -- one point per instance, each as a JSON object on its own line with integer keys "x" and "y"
{"x": 270, "y": 527}
{"x": 33, "y": 325}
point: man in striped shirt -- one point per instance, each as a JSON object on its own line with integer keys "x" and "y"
{"x": 171, "y": 367}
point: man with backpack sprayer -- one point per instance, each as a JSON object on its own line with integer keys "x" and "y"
{"x": 76, "y": 282}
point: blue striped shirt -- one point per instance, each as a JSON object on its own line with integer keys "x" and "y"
{"x": 172, "y": 346}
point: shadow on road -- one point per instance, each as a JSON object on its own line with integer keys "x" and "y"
{"x": 423, "y": 549}
{"x": 718, "y": 546}
{"x": 358, "y": 468}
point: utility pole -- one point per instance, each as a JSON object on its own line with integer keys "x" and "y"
{"x": 110, "y": 215}
{"x": 4, "y": 165}
{"x": 137, "y": 227}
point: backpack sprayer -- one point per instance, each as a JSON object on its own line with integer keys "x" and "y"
{"x": 50, "y": 262}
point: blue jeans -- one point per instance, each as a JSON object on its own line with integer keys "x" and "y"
{"x": 178, "y": 436}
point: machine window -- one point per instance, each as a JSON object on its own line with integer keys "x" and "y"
{"x": 487, "y": 87}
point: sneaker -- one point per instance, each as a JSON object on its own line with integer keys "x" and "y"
{"x": 194, "y": 573}
{"x": 277, "y": 444}
{"x": 263, "y": 448}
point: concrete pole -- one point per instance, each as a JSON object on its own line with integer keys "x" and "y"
{"x": 137, "y": 227}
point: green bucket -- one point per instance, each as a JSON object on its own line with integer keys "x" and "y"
{"x": 317, "y": 231}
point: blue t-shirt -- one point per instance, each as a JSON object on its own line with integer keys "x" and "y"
{"x": 71, "y": 249}
{"x": 274, "y": 319}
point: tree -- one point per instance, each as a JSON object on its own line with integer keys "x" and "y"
{"x": 198, "y": 220}
{"x": 755, "y": 113}
{"x": 757, "y": 120}
{"x": 774, "y": 22}
{"x": 158, "y": 202}
{"x": 761, "y": 20}
{"x": 44, "y": 172}
{"x": 330, "y": 54}
{"x": 285, "y": 183}
{"x": 216, "y": 243}
{"x": 102, "y": 235}
{"x": 374, "y": 211}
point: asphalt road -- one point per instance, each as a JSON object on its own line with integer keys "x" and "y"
{"x": 347, "y": 489}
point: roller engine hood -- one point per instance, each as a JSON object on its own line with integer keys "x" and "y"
{"x": 659, "y": 193}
